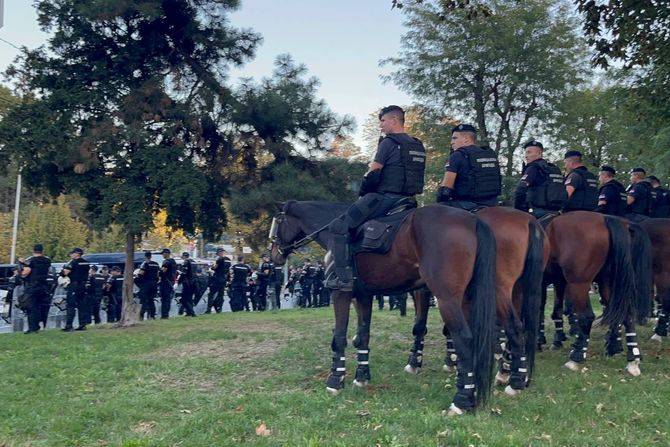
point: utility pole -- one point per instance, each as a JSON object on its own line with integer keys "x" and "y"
{"x": 17, "y": 203}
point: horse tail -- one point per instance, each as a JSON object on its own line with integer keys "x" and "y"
{"x": 531, "y": 281}
{"x": 622, "y": 275}
{"x": 482, "y": 294}
{"x": 642, "y": 264}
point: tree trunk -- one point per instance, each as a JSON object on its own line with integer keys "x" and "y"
{"x": 131, "y": 310}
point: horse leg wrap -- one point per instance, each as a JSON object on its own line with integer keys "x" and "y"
{"x": 336, "y": 378}
{"x": 416, "y": 355}
{"x": 662, "y": 324}
{"x": 505, "y": 363}
{"x": 499, "y": 347}
{"x": 559, "y": 336}
{"x": 465, "y": 394}
{"x": 542, "y": 339}
{"x": 613, "y": 344}
{"x": 363, "y": 369}
{"x": 519, "y": 372}
{"x": 574, "y": 324}
{"x": 451, "y": 359}
{"x": 633, "y": 351}
{"x": 579, "y": 348}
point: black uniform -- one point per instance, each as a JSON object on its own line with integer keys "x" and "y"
{"x": 148, "y": 285}
{"x": 660, "y": 207}
{"x": 217, "y": 284}
{"x": 265, "y": 271}
{"x": 276, "y": 282}
{"x": 640, "y": 209}
{"x": 540, "y": 189}
{"x": 240, "y": 274}
{"x": 76, "y": 298}
{"x": 319, "y": 299}
{"x": 36, "y": 290}
{"x": 307, "y": 281}
{"x": 187, "y": 279}
{"x": 168, "y": 274}
{"x": 114, "y": 290}
{"x": 614, "y": 194}
{"x": 95, "y": 290}
{"x": 478, "y": 180}
{"x": 585, "y": 195}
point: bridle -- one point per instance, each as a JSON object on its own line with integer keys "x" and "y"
{"x": 285, "y": 250}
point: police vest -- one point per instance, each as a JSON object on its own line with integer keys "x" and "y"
{"x": 78, "y": 270}
{"x": 240, "y": 274}
{"x": 661, "y": 206}
{"x": 586, "y": 197}
{"x": 483, "y": 179}
{"x": 98, "y": 281}
{"x": 642, "y": 204}
{"x": 222, "y": 267}
{"x": 39, "y": 270}
{"x": 310, "y": 272}
{"x": 150, "y": 276}
{"x": 618, "y": 208}
{"x": 550, "y": 194}
{"x": 264, "y": 271}
{"x": 170, "y": 266}
{"x": 407, "y": 177}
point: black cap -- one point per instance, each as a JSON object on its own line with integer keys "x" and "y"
{"x": 464, "y": 128}
{"x": 569, "y": 154}
{"x": 77, "y": 250}
{"x": 93, "y": 267}
{"x": 147, "y": 254}
{"x": 219, "y": 250}
{"x": 240, "y": 258}
{"x": 185, "y": 254}
{"x": 533, "y": 143}
{"x": 653, "y": 178}
{"x": 116, "y": 268}
{"x": 166, "y": 250}
{"x": 636, "y": 170}
{"x": 38, "y": 248}
{"x": 609, "y": 169}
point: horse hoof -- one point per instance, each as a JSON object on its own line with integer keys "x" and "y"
{"x": 453, "y": 411}
{"x": 656, "y": 338}
{"x": 361, "y": 384}
{"x": 332, "y": 391}
{"x": 511, "y": 391}
{"x": 412, "y": 370}
{"x": 633, "y": 368}
{"x": 448, "y": 368}
{"x": 572, "y": 366}
{"x": 502, "y": 378}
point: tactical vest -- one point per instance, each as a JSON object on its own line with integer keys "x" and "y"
{"x": 262, "y": 274}
{"x": 78, "y": 270}
{"x": 150, "y": 276}
{"x": 310, "y": 272}
{"x": 39, "y": 270}
{"x": 240, "y": 274}
{"x": 642, "y": 204}
{"x": 406, "y": 178}
{"x": 585, "y": 198}
{"x": 619, "y": 207}
{"x": 222, "y": 266}
{"x": 661, "y": 205}
{"x": 551, "y": 193}
{"x": 170, "y": 272}
{"x": 483, "y": 179}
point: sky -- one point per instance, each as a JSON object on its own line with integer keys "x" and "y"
{"x": 340, "y": 43}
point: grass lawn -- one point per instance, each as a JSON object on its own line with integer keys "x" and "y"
{"x": 258, "y": 379}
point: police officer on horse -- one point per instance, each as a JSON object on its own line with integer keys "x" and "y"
{"x": 540, "y": 190}
{"x": 660, "y": 208}
{"x": 397, "y": 171}
{"x": 639, "y": 196}
{"x": 472, "y": 174}
{"x": 580, "y": 184}
{"x": 612, "y": 194}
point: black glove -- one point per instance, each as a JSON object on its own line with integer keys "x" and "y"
{"x": 444, "y": 194}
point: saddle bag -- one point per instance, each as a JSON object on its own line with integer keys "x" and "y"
{"x": 377, "y": 236}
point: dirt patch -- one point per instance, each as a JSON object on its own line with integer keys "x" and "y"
{"x": 144, "y": 427}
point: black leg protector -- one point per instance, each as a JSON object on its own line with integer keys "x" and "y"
{"x": 581, "y": 344}
{"x": 465, "y": 385}
{"x": 633, "y": 350}
{"x": 415, "y": 359}
{"x": 519, "y": 373}
{"x": 613, "y": 344}
{"x": 363, "y": 359}
{"x": 542, "y": 338}
{"x": 559, "y": 335}
{"x": 663, "y": 323}
{"x": 499, "y": 347}
{"x": 451, "y": 359}
{"x": 341, "y": 260}
{"x": 337, "y": 371}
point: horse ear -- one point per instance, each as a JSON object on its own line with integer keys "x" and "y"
{"x": 279, "y": 205}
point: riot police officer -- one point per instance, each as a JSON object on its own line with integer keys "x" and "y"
{"x": 76, "y": 299}
{"x": 96, "y": 280}
{"x": 472, "y": 174}
{"x": 114, "y": 290}
{"x": 612, "y": 194}
{"x": 639, "y": 196}
{"x": 307, "y": 279}
{"x": 187, "y": 279}
{"x": 217, "y": 284}
{"x": 147, "y": 281}
{"x": 397, "y": 171}
{"x": 660, "y": 208}
{"x": 34, "y": 272}
{"x": 580, "y": 184}
{"x": 168, "y": 274}
{"x": 540, "y": 190}
{"x": 320, "y": 276}
{"x": 277, "y": 282}
{"x": 265, "y": 270}
{"x": 240, "y": 273}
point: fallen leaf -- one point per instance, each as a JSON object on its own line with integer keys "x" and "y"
{"x": 612, "y": 423}
{"x": 362, "y": 412}
{"x": 185, "y": 411}
{"x": 477, "y": 435}
{"x": 262, "y": 430}
{"x": 599, "y": 408}
{"x": 377, "y": 427}
{"x": 443, "y": 434}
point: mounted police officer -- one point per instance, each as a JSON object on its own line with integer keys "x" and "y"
{"x": 147, "y": 281}
{"x": 34, "y": 272}
{"x": 397, "y": 171}
{"x": 187, "y": 279}
{"x": 240, "y": 273}
{"x": 168, "y": 274}
{"x": 265, "y": 270}
{"x": 660, "y": 208}
{"x": 639, "y": 196}
{"x": 612, "y": 194}
{"x": 217, "y": 285}
{"x": 76, "y": 299}
{"x": 472, "y": 174}
{"x": 580, "y": 184}
{"x": 540, "y": 190}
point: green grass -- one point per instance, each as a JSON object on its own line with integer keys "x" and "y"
{"x": 212, "y": 380}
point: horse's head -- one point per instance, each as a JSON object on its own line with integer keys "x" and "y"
{"x": 285, "y": 230}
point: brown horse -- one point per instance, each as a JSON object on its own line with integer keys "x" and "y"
{"x": 588, "y": 247}
{"x": 659, "y": 233}
{"x": 522, "y": 251}
{"x": 446, "y": 249}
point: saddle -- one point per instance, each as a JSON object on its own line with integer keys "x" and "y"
{"x": 377, "y": 235}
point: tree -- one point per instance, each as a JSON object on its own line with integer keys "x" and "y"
{"x": 118, "y": 108}
{"x": 5, "y": 237}
{"x": 162, "y": 236}
{"x": 111, "y": 239}
{"x": 505, "y": 71}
